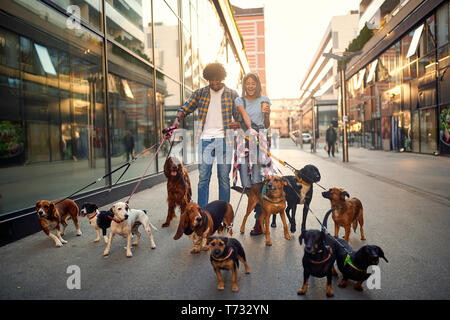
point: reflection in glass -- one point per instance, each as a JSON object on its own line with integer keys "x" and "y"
{"x": 51, "y": 117}
{"x": 129, "y": 23}
{"x": 90, "y": 10}
{"x": 167, "y": 50}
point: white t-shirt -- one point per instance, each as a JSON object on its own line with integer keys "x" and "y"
{"x": 213, "y": 127}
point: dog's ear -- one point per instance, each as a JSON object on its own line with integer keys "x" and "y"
{"x": 52, "y": 209}
{"x": 285, "y": 182}
{"x": 38, "y": 203}
{"x": 181, "y": 226}
{"x": 127, "y": 208}
{"x": 166, "y": 167}
{"x": 344, "y": 194}
{"x": 380, "y": 253}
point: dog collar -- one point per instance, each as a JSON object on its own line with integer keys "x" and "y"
{"x": 323, "y": 260}
{"x": 226, "y": 257}
{"x": 266, "y": 198}
{"x": 92, "y": 217}
{"x": 349, "y": 262}
{"x": 300, "y": 180}
{"x": 115, "y": 220}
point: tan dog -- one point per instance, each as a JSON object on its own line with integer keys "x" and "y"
{"x": 200, "y": 223}
{"x": 52, "y": 214}
{"x": 345, "y": 212}
{"x": 270, "y": 195}
{"x": 126, "y": 222}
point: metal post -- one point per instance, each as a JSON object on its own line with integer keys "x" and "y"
{"x": 344, "y": 117}
{"x": 313, "y": 123}
{"x": 300, "y": 129}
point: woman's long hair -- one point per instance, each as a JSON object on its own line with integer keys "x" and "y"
{"x": 255, "y": 77}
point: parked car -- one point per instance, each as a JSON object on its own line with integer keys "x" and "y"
{"x": 306, "y": 138}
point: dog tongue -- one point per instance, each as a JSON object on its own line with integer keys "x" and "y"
{"x": 174, "y": 173}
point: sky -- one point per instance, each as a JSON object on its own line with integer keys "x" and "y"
{"x": 294, "y": 29}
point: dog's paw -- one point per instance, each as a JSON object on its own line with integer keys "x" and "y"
{"x": 63, "y": 241}
{"x": 330, "y": 293}
{"x": 59, "y": 244}
{"x": 106, "y": 253}
{"x": 96, "y": 240}
{"x": 195, "y": 250}
{"x": 235, "y": 288}
{"x": 129, "y": 254}
{"x": 301, "y": 291}
{"x": 79, "y": 233}
{"x": 220, "y": 286}
{"x": 165, "y": 225}
{"x": 342, "y": 284}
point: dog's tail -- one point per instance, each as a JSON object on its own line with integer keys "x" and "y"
{"x": 325, "y": 219}
{"x": 152, "y": 226}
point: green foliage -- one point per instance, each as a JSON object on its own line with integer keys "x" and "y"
{"x": 358, "y": 43}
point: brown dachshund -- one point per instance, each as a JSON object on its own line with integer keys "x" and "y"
{"x": 225, "y": 255}
{"x": 271, "y": 197}
{"x": 53, "y": 214}
{"x": 179, "y": 190}
{"x": 345, "y": 212}
{"x": 199, "y": 224}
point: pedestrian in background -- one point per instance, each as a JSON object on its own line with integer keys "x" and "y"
{"x": 254, "y": 109}
{"x": 216, "y": 107}
{"x": 128, "y": 142}
{"x": 331, "y": 139}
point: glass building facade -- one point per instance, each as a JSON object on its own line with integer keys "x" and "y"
{"x": 81, "y": 79}
{"x": 401, "y": 100}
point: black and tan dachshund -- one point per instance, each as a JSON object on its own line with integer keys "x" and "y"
{"x": 318, "y": 259}
{"x": 308, "y": 175}
{"x": 225, "y": 255}
{"x": 355, "y": 267}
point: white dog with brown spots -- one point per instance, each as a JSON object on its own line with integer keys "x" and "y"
{"x": 126, "y": 223}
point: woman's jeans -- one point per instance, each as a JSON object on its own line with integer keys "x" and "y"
{"x": 207, "y": 151}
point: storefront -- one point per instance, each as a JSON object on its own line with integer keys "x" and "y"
{"x": 67, "y": 117}
{"x": 401, "y": 99}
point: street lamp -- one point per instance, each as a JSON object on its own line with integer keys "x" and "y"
{"x": 346, "y": 56}
{"x": 313, "y": 118}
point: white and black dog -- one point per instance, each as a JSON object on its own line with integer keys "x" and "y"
{"x": 126, "y": 222}
{"x": 97, "y": 219}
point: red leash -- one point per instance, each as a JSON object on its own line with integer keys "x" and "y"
{"x": 167, "y": 134}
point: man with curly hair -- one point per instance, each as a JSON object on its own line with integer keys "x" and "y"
{"x": 214, "y": 130}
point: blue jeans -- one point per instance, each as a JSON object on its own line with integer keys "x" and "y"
{"x": 248, "y": 180}
{"x": 208, "y": 150}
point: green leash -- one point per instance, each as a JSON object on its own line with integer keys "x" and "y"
{"x": 349, "y": 262}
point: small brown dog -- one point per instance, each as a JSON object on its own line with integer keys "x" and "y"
{"x": 179, "y": 191}
{"x": 345, "y": 212}
{"x": 200, "y": 223}
{"x": 270, "y": 195}
{"x": 225, "y": 255}
{"x": 52, "y": 214}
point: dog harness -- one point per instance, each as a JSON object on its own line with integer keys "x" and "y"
{"x": 349, "y": 262}
{"x": 223, "y": 259}
{"x": 266, "y": 198}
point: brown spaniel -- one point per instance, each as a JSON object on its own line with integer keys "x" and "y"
{"x": 179, "y": 190}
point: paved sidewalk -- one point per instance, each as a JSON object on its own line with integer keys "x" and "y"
{"x": 410, "y": 225}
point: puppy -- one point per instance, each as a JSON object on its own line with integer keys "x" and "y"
{"x": 354, "y": 267}
{"x": 318, "y": 259}
{"x": 125, "y": 222}
{"x": 52, "y": 214}
{"x": 225, "y": 253}
{"x": 179, "y": 192}
{"x": 300, "y": 184}
{"x": 270, "y": 195}
{"x": 345, "y": 212}
{"x": 200, "y": 223}
{"x": 97, "y": 219}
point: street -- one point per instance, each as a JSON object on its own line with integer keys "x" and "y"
{"x": 406, "y": 212}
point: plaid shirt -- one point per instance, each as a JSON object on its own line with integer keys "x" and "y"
{"x": 200, "y": 100}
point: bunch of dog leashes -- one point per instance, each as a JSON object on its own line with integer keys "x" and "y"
{"x": 294, "y": 170}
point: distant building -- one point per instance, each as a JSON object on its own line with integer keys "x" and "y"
{"x": 322, "y": 74}
{"x": 284, "y": 115}
{"x": 251, "y": 26}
